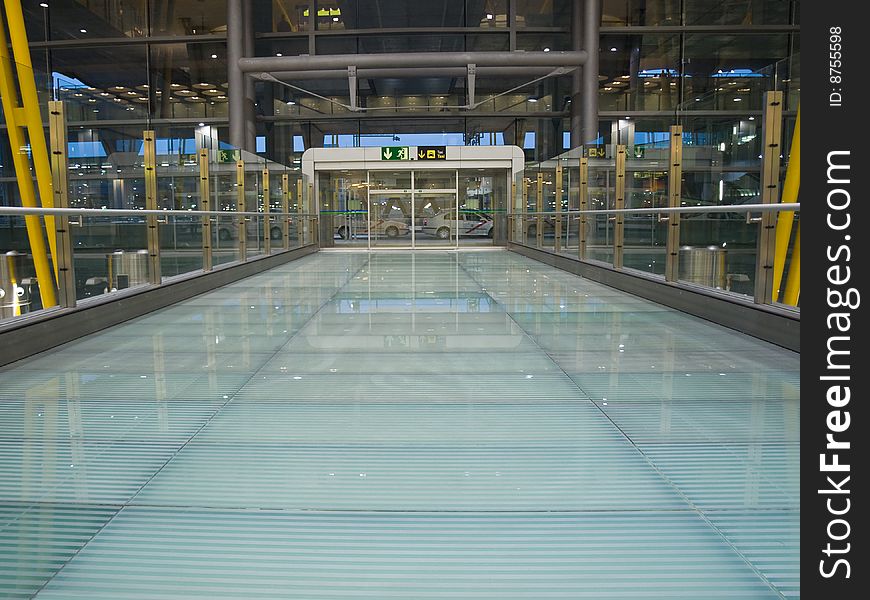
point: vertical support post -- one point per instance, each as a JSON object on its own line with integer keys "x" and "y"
{"x": 267, "y": 222}
{"x": 57, "y": 128}
{"x": 557, "y": 239}
{"x": 619, "y": 223}
{"x": 300, "y": 209}
{"x": 591, "y": 33}
{"x": 525, "y": 207}
{"x": 285, "y": 208}
{"x": 205, "y": 204}
{"x": 309, "y": 201}
{"x": 512, "y": 225}
{"x": 150, "y": 152}
{"x": 241, "y": 220}
{"x": 675, "y": 179}
{"x": 539, "y": 208}
{"x": 793, "y": 282}
{"x": 771, "y": 128}
{"x": 250, "y": 90}
{"x": 584, "y": 205}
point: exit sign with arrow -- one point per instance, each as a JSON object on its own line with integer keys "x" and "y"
{"x": 395, "y": 153}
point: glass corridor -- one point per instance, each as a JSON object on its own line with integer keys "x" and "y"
{"x": 403, "y": 425}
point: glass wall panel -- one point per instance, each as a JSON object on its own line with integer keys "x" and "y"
{"x": 343, "y": 201}
{"x": 190, "y": 18}
{"x": 615, "y": 13}
{"x": 102, "y": 83}
{"x": 639, "y": 72}
{"x": 178, "y": 189}
{"x": 728, "y": 71}
{"x": 486, "y": 13}
{"x": 189, "y": 80}
{"x": 602, "y": 195}
{"x": 543, "y": 13}
{"x": 748, "y": 12}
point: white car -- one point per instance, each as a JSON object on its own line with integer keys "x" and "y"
{"x": 444, "y": 224}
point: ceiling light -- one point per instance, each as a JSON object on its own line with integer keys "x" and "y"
{"x": 738, "y": 99}
{"x": 546, "y": 49}
{"x": 751, "y": 118}
{"x": 201, "y": 124}
{"x": 290, "y": 103}
{"x": 489, "y": 15}
{"x": 613, "y": 49}
{"x": 533, "y": 99}
{"x": 83, "y": 30}
{"x": 44, "y": 4}
{"x": 278, "y": 54}
{"x": 214, "y": 55}
{"x": 335, "y": 19}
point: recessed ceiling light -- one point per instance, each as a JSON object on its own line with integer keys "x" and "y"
{"x": 489, "y": 15}
{"x": 83, "y": 30}
{"x": 613, "y": 49}
{"x": 214, "y": 55}
{"x": 738, "y": 99}
{"x": 546, "y": 49}
{"x": 44, "y": 4}
{"x": 201, "y": 124}
{"x": 751, "y": 118}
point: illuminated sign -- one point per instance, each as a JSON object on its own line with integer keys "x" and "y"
{"x": 395, "y": 153}
{"x": 431, "y": 152}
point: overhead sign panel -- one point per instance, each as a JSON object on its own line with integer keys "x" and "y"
{"x": 431, "y": 152}
{"x": 395, "y": 153}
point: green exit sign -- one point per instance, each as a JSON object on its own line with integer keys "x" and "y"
{"x": 228, "y": 156}
{"x": 395, "y": 153}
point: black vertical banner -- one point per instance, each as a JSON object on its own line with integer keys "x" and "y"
{"x": 833, "y": 196}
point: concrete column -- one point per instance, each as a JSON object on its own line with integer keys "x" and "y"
{"x": 235, "y": 77}
{"x": 591, "y": 31}
{"x": 250, "y": 94}
{"x": 577, "y": 76}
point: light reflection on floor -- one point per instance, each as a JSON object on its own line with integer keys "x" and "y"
{"x": 403, "y": 425}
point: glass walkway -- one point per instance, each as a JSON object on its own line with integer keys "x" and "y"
{"x": 403, "y": 425}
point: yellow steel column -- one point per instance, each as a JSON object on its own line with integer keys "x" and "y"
{"x": 32, "y": 114}
{"x": 786, "y": 218}
{"x": 793, "y": 283}
{"x": 21, "y": 163}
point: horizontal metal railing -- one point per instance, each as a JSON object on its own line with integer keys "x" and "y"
{"x": 683, "y": 261}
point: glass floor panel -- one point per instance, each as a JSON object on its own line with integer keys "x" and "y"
{"x": 403, "y": 425}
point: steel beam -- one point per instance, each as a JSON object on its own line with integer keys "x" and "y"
{"x": 271, "y": 64}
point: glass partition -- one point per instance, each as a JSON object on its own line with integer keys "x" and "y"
{"x": 153, "y": 178}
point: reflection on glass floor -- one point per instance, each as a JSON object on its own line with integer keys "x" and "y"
{"x": 417, "y": 425}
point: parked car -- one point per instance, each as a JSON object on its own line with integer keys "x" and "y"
{"x": 444, "y": 224}
{"x": 357, "y": 226}
{"x": 228, "y": 228}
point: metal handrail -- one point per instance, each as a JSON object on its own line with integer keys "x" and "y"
{"x": 19, "y": 210}
{"x": 784, "y": 206}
